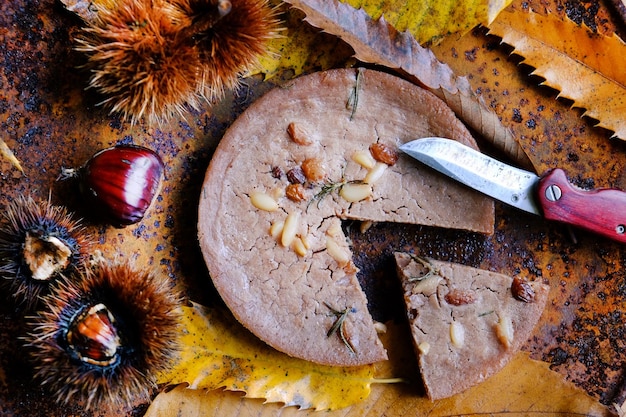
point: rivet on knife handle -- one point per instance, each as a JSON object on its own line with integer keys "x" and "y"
{"x": 601, "y": 211}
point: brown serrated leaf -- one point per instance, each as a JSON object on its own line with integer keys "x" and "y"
{"x": 586, "y": 67}
{"x": 379, "y": 43}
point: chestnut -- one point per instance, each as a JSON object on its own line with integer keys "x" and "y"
{"x": 121, "y": 182}
{"x": 93, "y": 336}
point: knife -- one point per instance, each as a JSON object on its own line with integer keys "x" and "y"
{"x": 602, "y": 211}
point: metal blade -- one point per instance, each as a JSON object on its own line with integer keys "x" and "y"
{"x": 503, "y": 182}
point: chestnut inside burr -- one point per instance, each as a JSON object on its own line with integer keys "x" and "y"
{"x": 93, "y": 336}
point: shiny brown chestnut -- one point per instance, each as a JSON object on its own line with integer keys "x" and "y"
{"x": 93, "y": 336}
{"x": 121, "y": 182}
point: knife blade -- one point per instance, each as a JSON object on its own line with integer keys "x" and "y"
{"x": 602, "y": 211}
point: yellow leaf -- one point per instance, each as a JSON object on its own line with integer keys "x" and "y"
{"x": 219, "y": 353}
{"x": 300, "y": 49}
{"x": 524, "y": 387}
{"x": 588, "y": 68}
{"x": 430, "y": 20}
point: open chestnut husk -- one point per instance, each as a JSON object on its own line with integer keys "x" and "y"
{"x": 100, "y": 339}
{"x": 39, "y": 241}
{"x": 120, "y": 183}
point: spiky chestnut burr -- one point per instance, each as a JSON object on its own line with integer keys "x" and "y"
{"x": 231, "y": 44}
{"x": 154, "y": 58}
{"x": 38, "y": 242}
{"x": 101, "y": 339}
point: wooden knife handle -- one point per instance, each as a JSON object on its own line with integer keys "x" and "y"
{"x": 602, "y": 211}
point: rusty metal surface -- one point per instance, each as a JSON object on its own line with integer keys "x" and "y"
{"x": 50, "y": 122}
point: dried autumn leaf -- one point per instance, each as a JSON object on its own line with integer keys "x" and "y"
{"x": 87, "y": 9}
{"x": 430, "y": 20}
{"x": 7, "y": 153}
{"x": 379, "y": 43}
{"x": 523, "y": 387}
{"x": 588, "y": 68}
{"x": 301, "y": 49}
{"x": 219, "y": 353}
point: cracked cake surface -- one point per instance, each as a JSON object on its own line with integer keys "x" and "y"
{"x": 303, "y": 157}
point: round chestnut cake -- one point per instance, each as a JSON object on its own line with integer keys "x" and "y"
{"x": 305, "y": 156}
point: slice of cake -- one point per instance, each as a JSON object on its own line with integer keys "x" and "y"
{"x": 466, "y": 323}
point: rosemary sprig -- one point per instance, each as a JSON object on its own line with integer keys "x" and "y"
{"x": 328, "y": 188}
{"x": 338, "y": 326}
{"x": 353, "y": 100}
{"x": 430, "y": 270}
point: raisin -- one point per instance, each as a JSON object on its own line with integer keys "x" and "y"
{"x": 383, "y": 153}
{"x": 295, "y": 192}
{"x": 314, "y": 169}
{"x": 459, "y": 297}
{"x": 296, "y": 176}
{"x": 522, "y": 290}
{"x": 277, "y": 172}
{"x": 298, "y": 134}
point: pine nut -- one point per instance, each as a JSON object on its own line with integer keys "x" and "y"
{"x": 290, "y": 229}
{"x": 504, "y": 331}
{"x": 334, "y": 230}
{"x": 375, "y": 173}
{"x": 364, "y": 158}
{"x": 427, "y": 286}
{"x": 276, "y": 229}
{"x": 305, "y": 242}
{"x": 365, "y": 226}
{"x": 355, "y": 192}
{"x": 457, "y": 334}
{"x": 277, "y": 193}
{"x": 299, "y": 247}
{"x": 336, "y": 252}
{"x": 263, "y": 201}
